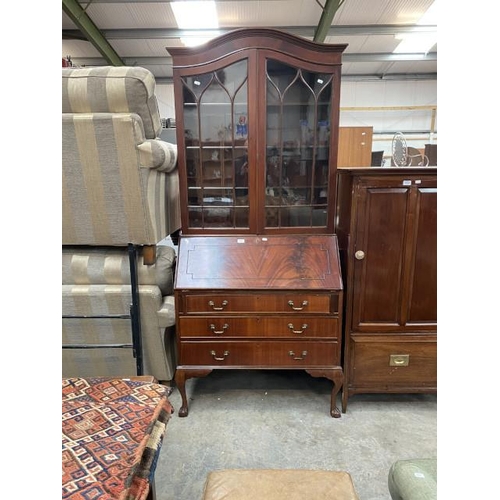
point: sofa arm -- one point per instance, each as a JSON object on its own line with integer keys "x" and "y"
{"x": 414, "y": 479}
{"x": 158, "y": 154}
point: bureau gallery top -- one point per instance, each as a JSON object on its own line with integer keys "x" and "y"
{"x": 257, "y": 114}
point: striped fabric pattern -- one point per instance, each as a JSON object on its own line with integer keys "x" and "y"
{"x": 115, "y": 362}
{"x": 119, "y": 186}
{"x": 86, "y": 266}
{"x": 110, "y": 89}
{"x": 109, "y": 197}
{"x": 158, "y": 154}
{"x": 93, "y": 300}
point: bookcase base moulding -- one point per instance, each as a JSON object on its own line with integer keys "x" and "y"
{"x": 259, "y": 302}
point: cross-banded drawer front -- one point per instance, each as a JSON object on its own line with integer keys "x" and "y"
{"x": 260, "y": 354}
{"x": 259, "y": 326}
{"x": 261, "y": 303}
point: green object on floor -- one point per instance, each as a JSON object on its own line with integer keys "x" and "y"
{"x": 413, "y": 479}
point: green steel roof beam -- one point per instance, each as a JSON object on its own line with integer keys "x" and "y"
{"x": 74, "y": 10}
{"x": 325, "y": 22}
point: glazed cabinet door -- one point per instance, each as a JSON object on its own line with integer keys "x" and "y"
{"x": 394, "y": 256}
{"x": 301, "y": 128}
{"x": 215, "y": 117}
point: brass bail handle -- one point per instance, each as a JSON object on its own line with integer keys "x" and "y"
{"x": 225, "y": 326}
{"x": 297, "y": 358}
{"x": 224, "y": 355}
{"x": 304, "y": 326}
{"x": 297, "y": 308}
{"x": 211, "y": 303}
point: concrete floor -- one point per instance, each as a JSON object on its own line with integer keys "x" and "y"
{"x": 280, "y": 419}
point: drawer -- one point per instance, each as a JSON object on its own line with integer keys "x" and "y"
{"x": 259, "y": 326}
{"x": 393, "y": 363}
{"x": 260, "y": 354}
{"x": 258, "y": 302}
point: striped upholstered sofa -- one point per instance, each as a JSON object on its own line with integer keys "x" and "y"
{"x": 120, "y": 200}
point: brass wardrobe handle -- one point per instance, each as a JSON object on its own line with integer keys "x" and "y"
{"x": 225, "y": 326}
{"x": 360, "y": 255}
{"x": 298, "y": 308}
{"x": 211, "y": 303}
{"x": 304, "y": 326}
{"x": 224, "y": 355}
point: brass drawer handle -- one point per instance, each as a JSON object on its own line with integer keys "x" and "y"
{"x": 211, "y": 303}
{"x": 297, "y": 358}
{"x": 298, "y": 308}
{"x": 399, "y": 360}
{"x": 304, "y": 326}
{"x": 224, "y": 355}
{"x": 225, "y": 326}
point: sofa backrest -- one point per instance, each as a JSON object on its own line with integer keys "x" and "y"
{"x": 112, "y": 89}
{"x": 119, "y": 181}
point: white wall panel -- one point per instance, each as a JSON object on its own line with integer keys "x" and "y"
{"x": 372, "y": 94}
{"x": 165, "y": 97}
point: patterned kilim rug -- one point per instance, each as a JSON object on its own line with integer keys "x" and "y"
{"x": 112, "y": 432}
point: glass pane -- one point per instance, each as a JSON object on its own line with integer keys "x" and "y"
{"x": 241, "y": 217}
{"x": 300, "y": 216}
{"x": 195, "y": 196}
{"x": 193, "y": 166}
{"x": 241, "y": 170}
{"x": 195, "y": 217}
{"x": 319, "y": 216}
{"x": 233, "y": 78}
{"x": 217, "y": 168}
{"x": 272, "y": 217}
{"x": 215, "y": 217}
{"x": 191, "y": 126}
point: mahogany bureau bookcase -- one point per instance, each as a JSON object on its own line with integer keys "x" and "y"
{"x": 387, "y": 233}
{"x": 258, "y": 282}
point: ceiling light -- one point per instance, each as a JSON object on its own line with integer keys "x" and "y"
{"x": 415, "y": 43}
{"x": 422, "y": 41}
{"x": 200, "y": 16}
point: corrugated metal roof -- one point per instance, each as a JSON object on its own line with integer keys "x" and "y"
{"x": 141, "y": 31}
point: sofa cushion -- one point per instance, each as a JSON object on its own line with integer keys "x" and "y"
{"x": 158, "y": 154}
{"x": 110, "y": 266}
{"x": 413, "y": 479}
{"x": 110, "y": 89}
{"x": 109, "y": 197}
{"x": 285, "y": 484}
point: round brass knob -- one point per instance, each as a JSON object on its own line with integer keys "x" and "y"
{"x": 360, "y": 255}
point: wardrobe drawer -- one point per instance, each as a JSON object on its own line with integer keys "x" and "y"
{"x": 259, "y": 326}
{"x": 259, "y": 302}
{"x": 260, "y": 354}
{"x": 392, "y": 364}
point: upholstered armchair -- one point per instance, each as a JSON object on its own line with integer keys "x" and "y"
{"x": 120, "y": 202}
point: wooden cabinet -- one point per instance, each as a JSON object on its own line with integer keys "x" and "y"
{"x": 259, "y": 302}
{"x": 355, "y": 146}
{"x": 258, "y": 280}
{"x": 387, "y": 231}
